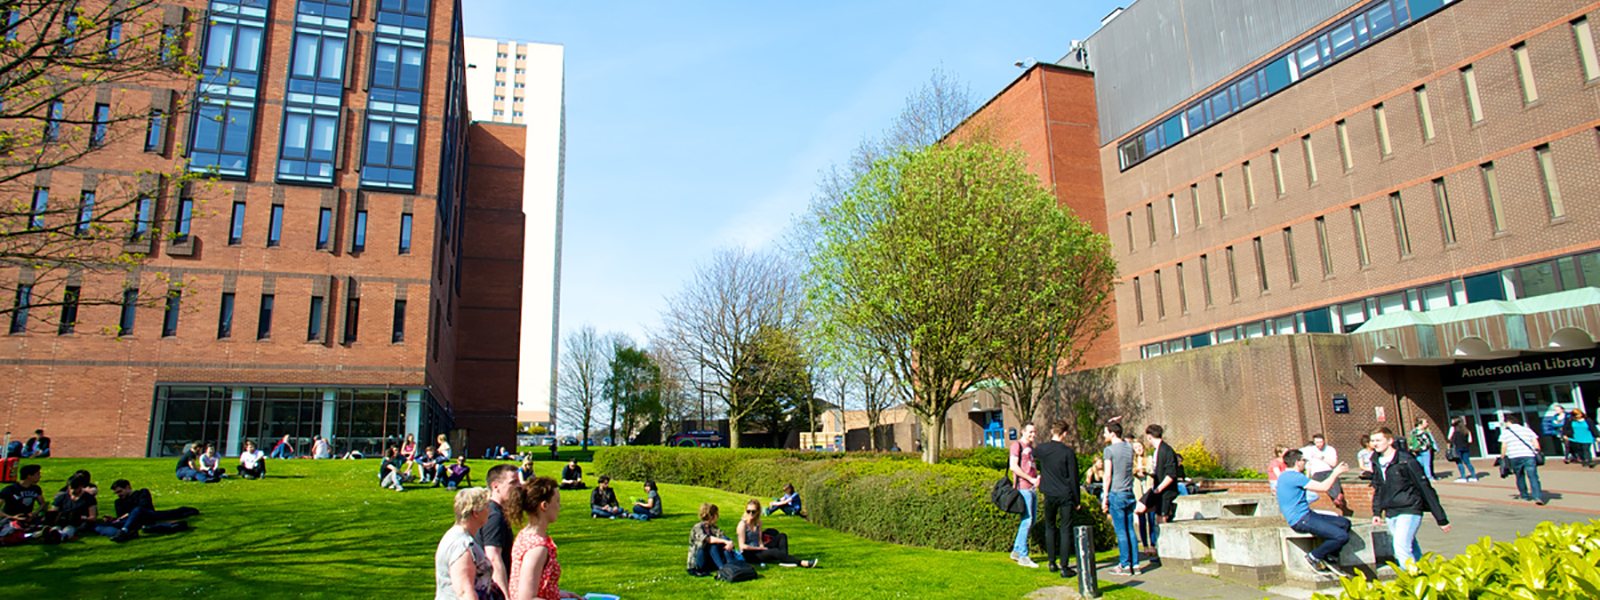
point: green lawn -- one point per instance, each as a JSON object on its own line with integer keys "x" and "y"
{"x": 325, "y": 529}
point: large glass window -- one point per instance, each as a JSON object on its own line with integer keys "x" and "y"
{"x": 363, "y": 420}
{"x": 224, "y": 120}
{"x": 314, "y": 95}
{"x": 394, "y": 101}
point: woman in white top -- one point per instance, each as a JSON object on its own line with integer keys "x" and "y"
{"x": 1143, "y": 465}
{"x": 461, "y": 571}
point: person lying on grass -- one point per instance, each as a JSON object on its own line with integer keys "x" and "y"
{"x": 137, "y": 512}
{"x": 461, "y": 569}
{"x": 709, "y": 548}
{"x": 762, "y": 547}
{"x": 789, "y": 503}
{"x": 535, "y": 572}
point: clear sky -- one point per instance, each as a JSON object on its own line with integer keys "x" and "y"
{"x": 696, "y": 125}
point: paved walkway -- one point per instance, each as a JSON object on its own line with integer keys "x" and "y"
{"x": 1484, "y": 508}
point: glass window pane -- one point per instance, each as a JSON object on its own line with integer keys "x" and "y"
{"x": 219, "y": 44}
{"x": 1344, "y": 39}
{"x": 1308, "y": 58}
{"x": 384, "y": 65}
{"x": 1589, "y": 266}
{"x": 377, "y": 143}
{"x": 295, "y": 130}
{"x": 237, "y": 138}
{"x": 1436, "y": 297}
{"x": 405, "y": 140}
{"x": 305, "y": 55}
{"x": 247, "y": 55}
{"x": 411, "y": 68}
{"x": 1381, "y": 18}
{"x": 208, "y": 129}
{"x": 332, "y": 58}
{"x": 1391, "y": 303}
{"x": 1538, "y": 280}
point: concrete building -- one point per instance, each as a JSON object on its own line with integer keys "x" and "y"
{"x": 1337, "y": 215}
{"x": 320, "y": 274}
{"x": 524, "y": 83}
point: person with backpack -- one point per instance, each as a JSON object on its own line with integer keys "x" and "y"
{"x": 1027, "y": 474}
{"x": 1422, "y": 446}
{"x": 709, "y": 548}
{"x": 1401, "y": 493}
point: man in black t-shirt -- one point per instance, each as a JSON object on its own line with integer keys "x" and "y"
{"x": 496, "y": 535}
{"x": 74, "y": 507}
{"x": 1058, "y": 482}
{"x": 1163, "y": 496}
{"x": 572, "y": 476}
{"x": 22, "y": 499}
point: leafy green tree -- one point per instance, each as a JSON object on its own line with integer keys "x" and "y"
{"x": 634, "y": 391}
{"x": 779, "y": 377}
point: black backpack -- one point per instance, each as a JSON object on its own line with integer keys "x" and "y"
{"x": 736, "y": 571}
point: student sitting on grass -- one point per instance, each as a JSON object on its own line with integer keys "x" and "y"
{"x": 136, "y": 512}
{"x": 768, "y": 546}
{"x": 284, "y": 449}
{"x": 428, "y": 463}
{"x": 252, "y": 462}
{"x": 321, "y": 449}
{"x": 408, "y": 458}
{"x": 75, "y": 507}
{"x": 461, "y": 568}
{"x": 527, "y": 468}
{"x": 572, "y": 476}
{"x": 389, "y": 470}
{"x": 535, "y": 572}
{"x": 789, "y": 503}
{"x": 189, "y": 466}
{"x": 603, "y": 501}
{"x": 709, "y": 548}
{"x": 211, "y": 464}
{"x": 22, "y": 499}
{"x": 651, "y": 507}
{"x": 457, "y": 472}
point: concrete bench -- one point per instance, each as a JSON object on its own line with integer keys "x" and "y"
{"x": 1369, "y": 550}
{"x": 1224, "y": 506}
{"x": 1264, "y": 551}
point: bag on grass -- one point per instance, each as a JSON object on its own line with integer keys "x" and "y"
{"x": 736, "y": 571}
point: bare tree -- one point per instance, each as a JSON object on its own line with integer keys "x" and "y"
{"x": 585, "y": 364}
{"x": 716, "y": 321}
{"x": 1086, "y": 399}
{"x": 871, "y": 381}
{"x": 677, "y": 397}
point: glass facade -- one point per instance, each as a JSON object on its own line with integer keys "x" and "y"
{"x": 315, "y": 93}
{"x": 359, "y": 419}
{"x": 224, "y": 121}
{"x": 394, "y": 101}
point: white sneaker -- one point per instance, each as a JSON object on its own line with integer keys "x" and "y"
{"x": 1027, "y": 562}
{"x": 1461, "y": 480}
{"x": 1015, "y": 555}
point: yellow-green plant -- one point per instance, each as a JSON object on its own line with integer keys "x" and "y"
{"x": 1555, "y": 561}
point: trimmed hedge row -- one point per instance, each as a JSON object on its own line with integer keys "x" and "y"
{"x": 886, "y": 497}
{"x": 1555, "y": 561}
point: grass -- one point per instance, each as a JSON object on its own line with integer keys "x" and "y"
{"x": 324, "y": 529}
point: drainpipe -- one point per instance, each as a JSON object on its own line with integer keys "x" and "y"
{"x": 1316, "y": 384}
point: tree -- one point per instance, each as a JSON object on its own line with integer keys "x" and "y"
{"x": 1085, "y": 399}
{"x": 918, "y": 265}
{"x": 66, "y": 68}
{"x": 871, "y": 382}
{"x": 779, "y": 376}
{"x": 713, "y": 324}
{"x": 584, "y": 367}
{"x": 677, "y": 399}
{"x": 633, "y": 389}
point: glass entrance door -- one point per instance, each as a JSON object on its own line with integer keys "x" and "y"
{"x": 1483, "y": 409}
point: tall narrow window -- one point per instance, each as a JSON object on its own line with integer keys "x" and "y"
{"x": 1205, "y": 279}
{"x": 1447, "y": 219}
{"x": 1150, "y": 221}
{"x": 1261, "y": 263}
{"x": 264, "y": 319}
{"x": 185, "y": 217}
{"x": 1469, "y": 82}
{"x": 144, "y": 212}
{"x": 41, "y": 203}
{"x": 85, "y": 213}
{"x": 130, "y": 304}
{"x": 1222, "y": 197}
{"x": 1233, "y": 274}
{"x": 19, "y": 310}
{"x": 1402, "y": 234}
{"x": 1277, "y": 172}
{"x": 155, "y": 131}
{"x": 1491, "y": 189}
{"x": 275, "y": 226}
{"x": 359, "y": 241}
{"x": 1381, "y": 117}
{"x": 1161, "y": 301}
{"x": 236, "y": 225}
{"x": 1183, "y": 292}
{"x": 1361, "y": 236}
{"x": 1311, "y": 159}
{"x": 1288, "y": 252}
{"x": 1249, "y": 185}
{"x": 102, "y": 125}
{"x": 225, "y": 316}
{"x": 113, "y": 38}
{"x": 405, "y": 232}
{"x": 314, "y": 327}
{"x": 1424, "y": 112}
{"x": 1552, "y": 191}
{"x": 1530, "y": 91}
{"x": 169, "y": 320}
{"x": 324, "y": 228}
{"x": 1586, "y": 53}
{"x": 69, "y": 310}
{"x": 52, "y": 126}
{"x": 1129, "y": 219}
{"x": 352, "y": 319}
{"x": 1138, "y": 300}
{"x": 1194, "y": 204}
{"x": 1325, "y": 250}
{"x": 1344, "y": 145}
{"x": 399, "y": 334}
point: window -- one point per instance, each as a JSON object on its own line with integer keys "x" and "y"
{"x": 102, "y": 125}
{"x": 185, "y": 216}
{"x": 352, "y": 319}
{"x": 19, "y": 309}
{"x": 1469, "y": 82}
{"x": 1222, "y": 197}
{"x": 314, "y": 96}
{"x": 225, "y": 317}
{"x": 314, "y": 327}
{"x": 1288, "y": 251}
{"x": 1447, "y": 221}
{"x": 399, "y": 334}
{"x": 113, "y": 38}
{"x": 324, "y": 227}
{"x": 1249, "y": 185}
{"x": 390, "y": 156}
{"x": 1311, "y": 159}
{"x": 516, "y": 113}
{"x": 1150, "y": 221}
{"x": 222, "y": 139}
{"x": 41, "y": 203}
{"x": 359, "y": 241}
{"x": 309, "y": 138}
{"x": 1277, "y": 172}
{"x": 85, "y": 213}
{"x": 1586, "y": 53}
{"x": 521, "y": 85}
{"x": 236, "y": 225}
{"x": 1344, "y": 144}
{"x": 405, "y": 233}
{"x": 52, "y": 126}
{"x": 1361, "y": 236}
{"x": 1261, "y": 263}
{"x": 1138, "y": 300}
{"x": 1161, "y": 302}
{"x": 1205, "y": 278}
{"x": 1194, "y": 204}
{"x": 1491, "y": 189}
{"x": 1233, "y": 274}
{"x": 499, "y": 98}
{"x": 394, "y": 103}
{"x": 1530, "y": 92}
{"x": 69, "y": 310}
{"x": 1183, "y": 292}
{"x": 264, "y": 320}
{"x": 1381, "y": 117}
{"x": 1424, "y": 112}
{"x": 1128, "y": 218}
{"x": 1323, "y": 248}
{"x": 224, "y": 120}
{"x": 130, "y": 302}
{"x": 275, "y": 226}
{"x": 1402, "y": 234}
{"x": 169, "y": 320}
{"x": 143, "y": 213}
{"x": 1552, "y": 191}
{"x": 155, "y": 133}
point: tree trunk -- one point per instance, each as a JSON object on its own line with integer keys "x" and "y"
{"x": 872, "y": 431}
{"x": 933, "y": 434}
{"x": 733, "y": 430}
{"x": 583, "y": 436}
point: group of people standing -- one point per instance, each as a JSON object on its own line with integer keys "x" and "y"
{"x": 483, "y": 557}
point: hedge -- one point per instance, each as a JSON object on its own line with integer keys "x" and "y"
{"x": 886, "y": 497}
{"x": 1555, "y": 561}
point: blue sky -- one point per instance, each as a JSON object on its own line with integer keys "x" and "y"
{"x": 692, "y": 126}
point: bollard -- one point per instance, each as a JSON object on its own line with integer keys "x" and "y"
{"x": 1088, "y": 577}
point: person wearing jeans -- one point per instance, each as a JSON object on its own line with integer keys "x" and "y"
{"x": 1461, "y": 448}
{"x": 1422, "y": 446}
{"x": 1519, "y": 447}
{"x": 1027, "y": 475}
{"x": 1118, "y": 501}
{"x": 1295, "y": 493}
{"x": 1401, "y": 493}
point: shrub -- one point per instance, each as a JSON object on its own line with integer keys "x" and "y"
{"x": 1555, "y": 561}
{"x": 983, "y": 457}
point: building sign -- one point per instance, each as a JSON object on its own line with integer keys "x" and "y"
{"x": 1341, "y": 404}
{"x": 1377, "y": 412}
{"x": 1522, "y": 367}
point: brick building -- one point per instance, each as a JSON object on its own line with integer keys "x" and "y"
{"x": 1337, "y": 215}
{"x": 339, "y": 249}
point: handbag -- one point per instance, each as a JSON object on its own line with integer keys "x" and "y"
{"x": 1006, "y": 497}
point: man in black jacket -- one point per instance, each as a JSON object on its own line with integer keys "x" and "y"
{"x": 136, "y": 512}
{"x": 1164, "y": 494}
{"x": 1402, "y": 493}
{"x": 1058, "y": 481}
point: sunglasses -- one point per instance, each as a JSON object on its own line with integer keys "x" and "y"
{"x": 752, "y": 511}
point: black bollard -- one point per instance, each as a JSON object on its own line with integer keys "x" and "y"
{"x": 1088, "y": 577}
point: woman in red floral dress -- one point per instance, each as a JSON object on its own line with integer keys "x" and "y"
{"x": 535, "y": 572}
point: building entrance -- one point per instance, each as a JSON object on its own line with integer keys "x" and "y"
{"x": 1531, "y": 386}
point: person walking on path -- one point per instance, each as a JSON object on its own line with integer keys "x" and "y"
{"x": 1519, "y": 448}
{"x": 1320, "y": 458}
{"x": 1581, "y": 435}
{"x": 1296, "y": 492}
{"x": 1461, "y": 448}
{"x": 1422, "y": 445}
{"x": 1058, "y": 482}
{"x": 1165, "y": 493}
{"x": 1402, "y": 493}
{"x": 1027, "y": 475}
{"x": 1118, "y": 501}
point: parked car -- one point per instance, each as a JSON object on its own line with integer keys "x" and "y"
{"x": 569, "y": 441}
